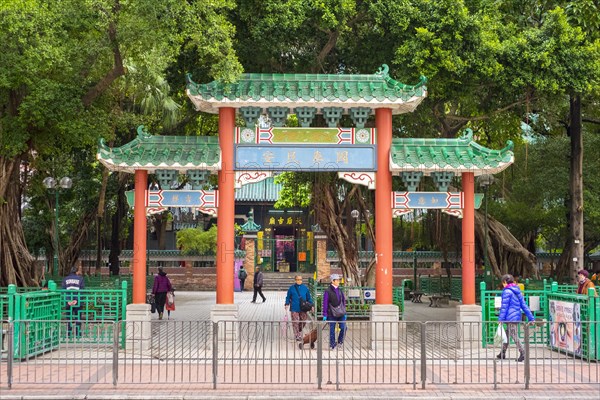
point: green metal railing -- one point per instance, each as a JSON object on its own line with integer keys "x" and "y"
{"x": 581, "y": 319}
{"x": 444, "y": 285}
{"x": 46, "y": 321}
{"x": 359, "y": 299}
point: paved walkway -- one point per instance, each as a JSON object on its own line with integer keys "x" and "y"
{"x": 194, "y": 306}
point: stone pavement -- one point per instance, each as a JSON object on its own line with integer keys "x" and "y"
{"x": 197, "y": 305}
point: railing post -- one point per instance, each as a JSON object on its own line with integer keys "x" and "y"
{"x": 527, "y": 358}
{"x": 423, "y": 355}
{"x": 123, "y": 311}
{"x": 484, "y": 314}
{"x": 319, "y": 356}
{"x": 215, "y": 352}
{"x": 10, "y": 354}
{"x": 115, "y": 366}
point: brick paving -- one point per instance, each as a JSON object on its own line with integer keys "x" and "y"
{"x": 349, "y": 367}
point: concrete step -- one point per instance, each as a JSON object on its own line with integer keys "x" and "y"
{"x": 281, "y": 281}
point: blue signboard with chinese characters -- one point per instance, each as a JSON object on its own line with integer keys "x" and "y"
{"x": 306, "y": 158}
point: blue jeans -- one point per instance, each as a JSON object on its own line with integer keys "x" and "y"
{"x": 333, "y": 321}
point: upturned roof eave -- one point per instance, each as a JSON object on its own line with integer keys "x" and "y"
{"x": 150, "y": 167}
{"x": 398, "y": 106}
{"x": 427, "y": 170}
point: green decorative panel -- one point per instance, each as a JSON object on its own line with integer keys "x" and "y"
{"x": 250, "y": 115}
{"x": 197, "y": 178}
{"x": 360, "y": 115}
{"x": 278, "y": 115}
{"x": 305, "y": 115}
{"x": 411, "y": 180}
{"x": 150, "y": 152}
{"x": 332, "y": 115}
{"x": 166, "y": 177}
{"x": 269, "y": 136}
{"x": 442, "y": 180}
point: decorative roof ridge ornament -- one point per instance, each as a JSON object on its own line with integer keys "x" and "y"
{"x": 143, "y": 133}
{"x": 383, "y": 72}
{"x": 250, "y": 226}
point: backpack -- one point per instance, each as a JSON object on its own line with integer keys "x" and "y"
{"x": 243, "y": 274}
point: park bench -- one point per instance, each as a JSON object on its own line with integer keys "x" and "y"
{"x": 416, "y": 296}
{"x": 436, "y": 300}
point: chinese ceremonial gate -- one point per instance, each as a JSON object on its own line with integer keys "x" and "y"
{"x": 359, "y": 154}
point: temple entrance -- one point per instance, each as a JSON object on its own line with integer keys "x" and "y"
{"x": 286, "y": 249}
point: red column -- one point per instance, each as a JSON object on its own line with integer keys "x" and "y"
{"x": 139, "y": 237}
{"x": 383, "y": 208}
{"x": 468, "y": 239}
{"x": 226, "y": 208}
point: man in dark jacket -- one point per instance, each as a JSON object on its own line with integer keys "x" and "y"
{"x": 258, "y": 284}
{"x": 162, "y": 285}
{"x": 513, "y": 304}
{"x": 292, "y": 301}
{"x": 73, "y": 282}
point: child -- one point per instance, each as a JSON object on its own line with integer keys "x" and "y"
{"x": 170, "y": 303}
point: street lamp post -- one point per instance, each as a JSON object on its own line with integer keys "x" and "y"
{"x": 485, "y": 181}
{"x": 356, "y": 215}
{"x": 51, "y": 184}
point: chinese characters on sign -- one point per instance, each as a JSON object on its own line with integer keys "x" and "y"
{"x": 306, "y": 158}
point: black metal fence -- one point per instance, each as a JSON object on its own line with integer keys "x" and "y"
{"x": 378, "y": 354}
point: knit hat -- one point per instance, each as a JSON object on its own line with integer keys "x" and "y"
{"x": 334, "y": 277}
{"x": 584, "y": 273}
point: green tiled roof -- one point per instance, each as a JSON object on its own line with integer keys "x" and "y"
{"x": 377, "y": 90}
{"x": 151, "y": 152}
{"x": 266, "y": 190}
{"x": 456, "y": 155}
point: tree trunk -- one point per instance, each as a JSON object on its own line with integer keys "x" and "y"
{"x": 574, "y": 247}
{"x": 117, "y": 223}
{"x": 16, "y": 263}
{"x": 506, "y": 255}
{"x": 576, "y": 187}
{"x": 332, "y": 217}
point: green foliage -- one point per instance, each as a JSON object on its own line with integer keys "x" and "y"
{"x": 296, "y": 190}
{"x": 197, "y": 240}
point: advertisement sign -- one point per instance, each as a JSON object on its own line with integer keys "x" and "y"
{"x": 565, "y": 328}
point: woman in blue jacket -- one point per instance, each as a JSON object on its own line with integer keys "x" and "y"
{"x": 513, "y": 304}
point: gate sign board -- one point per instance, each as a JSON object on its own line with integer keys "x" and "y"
{"x": 305, "y": 149}
{"x": 431, "y": 200}
{"x": 306, "y": 158}
{"x": 179, "y": 198}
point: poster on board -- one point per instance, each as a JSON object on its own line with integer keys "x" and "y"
{"x": 565, "y": 332}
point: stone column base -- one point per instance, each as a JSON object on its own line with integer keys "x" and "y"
{"x": 138, "y": 329}
{"x": 385, "y": 326}
{"x": 226, "y": 315}
{"x": 469, "y": 320}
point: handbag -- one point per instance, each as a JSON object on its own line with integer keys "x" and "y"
{"x": 340, "y": 309}
{"x": 500, "y": 336}
{"x": 305, "y": 305}
{"x": 150, "y": 300}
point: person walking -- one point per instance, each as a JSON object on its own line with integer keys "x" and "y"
{"x": 162, "y": 285}
{"x": 296, "y": 294}
{"x": 334, "y": 311}
{"x": 258, "y": 284}
{"x": 242, "y": 275}
{"x": 512, "y": 305}
{"x": 584, "y": 283}
{"x": 73, "y": 282}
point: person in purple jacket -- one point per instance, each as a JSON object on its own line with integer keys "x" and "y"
{"x": 513, "y": 304}
{"x": 334, "y": 311}
{"x": 162, "y": 285}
